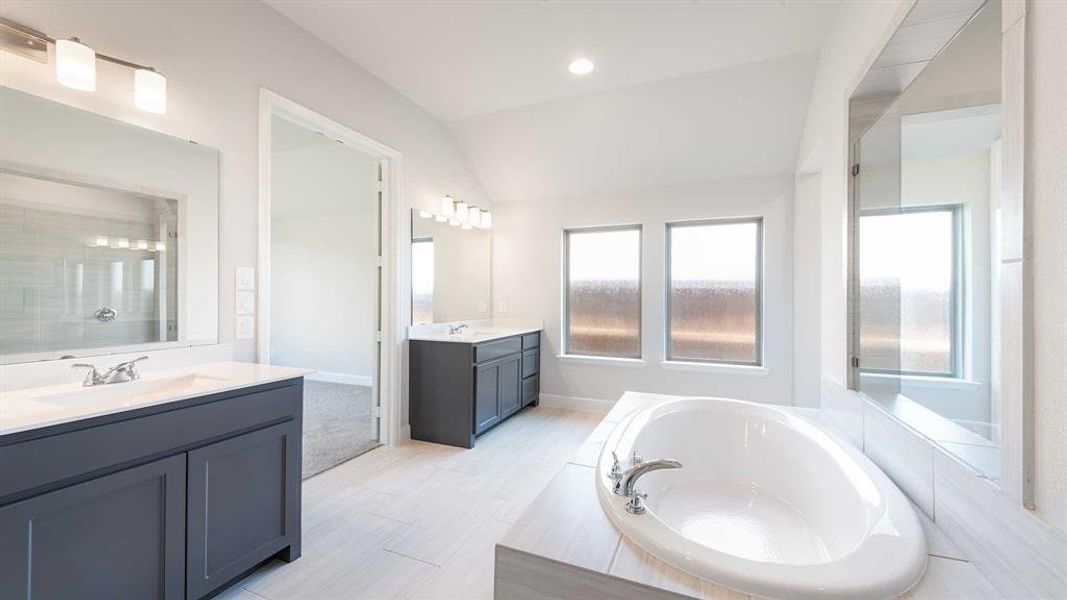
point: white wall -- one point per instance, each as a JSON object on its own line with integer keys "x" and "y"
{"x": 859, "y": 35}
{"x": 527, "y": 263}
{"x": 1047, "y": 187}
{"x": 323, "y": 257}
{"x": 216, "y": 56}
{"x": 807, "y": 237}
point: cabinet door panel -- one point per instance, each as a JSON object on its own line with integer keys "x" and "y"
{"x": 486, "y": 396}
{"x": 510, "y": 382}
{"x": 114, "y": 537}
{"x": 244, "y": 499}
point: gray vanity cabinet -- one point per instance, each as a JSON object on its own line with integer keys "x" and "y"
{"x": 171, "y": 501}
{"x": 459, "y": 390}
{"x": 117, "y": 536}
{"x": 238, "y": 494}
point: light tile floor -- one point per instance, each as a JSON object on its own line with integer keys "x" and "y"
{"x": 420, "y": 521}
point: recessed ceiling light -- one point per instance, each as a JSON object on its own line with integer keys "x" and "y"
{"x": 581, "y": 66}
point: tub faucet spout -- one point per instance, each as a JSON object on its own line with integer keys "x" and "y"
{"x": 625, "y": 485}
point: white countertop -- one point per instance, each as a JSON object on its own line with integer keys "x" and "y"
{"x": 32, "y": 408}
{"x": 476, "y": 332}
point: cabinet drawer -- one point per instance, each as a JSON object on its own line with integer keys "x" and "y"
{"x": 531, "y": 361}
{"x": 531, "y": 340}
{"x": 531, "y": 389}
{"x": 496, "y": 349}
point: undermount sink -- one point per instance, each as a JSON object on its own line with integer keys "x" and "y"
{"x": 169, "y": 386}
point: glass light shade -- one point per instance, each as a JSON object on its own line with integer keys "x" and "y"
{"x": 448, "y": 207}
{"x": 75, "y": 65}
{"x": 487, "y": 219}
{"x": 124, "y": 243}
{"x": 465, "y": 226}
{"x": 453, "y": 222}
{"x": 425, "y": 214}
{"x": 101, "y": 240}
{"x": 161, "y": 246}
{"x": 150, "y": 91}
{"x": 440, "y": 218}
{"x": 475, "y": 217}
{"x": 462, "y": 211}
{"x": 142, "y": 244}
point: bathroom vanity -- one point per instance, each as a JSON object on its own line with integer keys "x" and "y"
{"x": 463, "y": 384}
{"x": 167, "y": 487}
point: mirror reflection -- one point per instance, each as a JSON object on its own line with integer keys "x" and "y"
{"x": 449, "y": 271}
{"x": 109, "y": 234}
{"x": 927, "y": 205}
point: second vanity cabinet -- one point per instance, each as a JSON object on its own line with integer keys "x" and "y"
{"x": 461, "y": 390}
{"x": 171, "y": 502}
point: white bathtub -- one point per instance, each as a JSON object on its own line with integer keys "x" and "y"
{"x": 767, "y": 503}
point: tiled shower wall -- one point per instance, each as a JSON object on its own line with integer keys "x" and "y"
{"x": 54, "y": 277}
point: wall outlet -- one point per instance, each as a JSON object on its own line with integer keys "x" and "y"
{"x": 246, "y": 278}
{"x": 246, "y": 303}
{"x": 245, "y": 328}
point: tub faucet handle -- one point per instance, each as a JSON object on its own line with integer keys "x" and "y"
{"x": 616, "y": 468}
{"x": 635, "y": 505}
{"x": 635, "y": 458}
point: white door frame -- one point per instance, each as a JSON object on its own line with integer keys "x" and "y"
{"x": 393, "y": 207}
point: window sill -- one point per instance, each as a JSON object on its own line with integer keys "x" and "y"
{"x": 606, "y": 361}
{"x": 679, "y": 365}
{"x": 920, "y": 381}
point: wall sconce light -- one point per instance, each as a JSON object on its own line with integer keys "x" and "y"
{"x": 448, "y": 207}
{"x": 453, "y": 222}
{"x": 76, "y": 64}
{"x": 474, "y": 217}
{"x": 487, "y": 219}
{"x": 425, "y": 214}
{"x": 440, "y": 218}
{"x": 462, "y": 211}
{"x": 161, "y": 246}
{"x": 150, "y": 91}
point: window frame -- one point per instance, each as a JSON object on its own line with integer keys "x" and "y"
{"x": 956, "y": 355}
{"x": 566, "y": 285}
{"x": 668, "y": 226}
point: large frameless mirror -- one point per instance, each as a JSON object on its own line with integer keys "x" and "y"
{"x": 925, "y": 213}
{"x": 108, "y": 235}
{"x": 449, "y": 271}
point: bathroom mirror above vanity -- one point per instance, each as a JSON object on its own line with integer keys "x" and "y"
{"x": 449, "y": 271}
{"x": 926, "y": 222}
{"x": 110, "y": 235}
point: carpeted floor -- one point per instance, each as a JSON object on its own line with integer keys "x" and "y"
{"x": 337, "y": 424}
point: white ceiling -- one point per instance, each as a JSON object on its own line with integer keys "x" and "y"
{"x": 462, "y": 58}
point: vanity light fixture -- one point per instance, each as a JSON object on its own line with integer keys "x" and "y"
{"x": 453, "y": 222}
{"x": 101, "y": 240}
{"x": 487, "y": 219}
{"x": 150, "y": 91}
{"x": 448, "y": 206}
{"x": 161, "y": 246}
{"x": 462, "y": 211}
{"x": 142, "y": 244}
{"x": 465, "y": 225}
{"x": 123, "y": 243}
{"x": 425, "y": 214}
{"x": 76, "y": 64}
{"x": 440, "y": 218}
{"x": 474, "y": 217}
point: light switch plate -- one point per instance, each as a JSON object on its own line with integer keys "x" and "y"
{"x": 245, "y": 328}
{"x": 246, "y": 303}
{"x": 246, "y": 278}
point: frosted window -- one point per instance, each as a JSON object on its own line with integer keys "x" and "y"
{"x": 603, "y": 294}
{"x": 714, "y": 297}
{"x": 422, "y": 281}
{"x": 908, "y": 258}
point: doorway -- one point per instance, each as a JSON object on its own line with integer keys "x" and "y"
{"x": 323, "y": 263}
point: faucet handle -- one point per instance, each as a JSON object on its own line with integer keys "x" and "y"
{"x": 616, "y": 468}
{"x": 92, "y": 376}
{"x": 635, "y": 458}
{"x": 635, "y": 505}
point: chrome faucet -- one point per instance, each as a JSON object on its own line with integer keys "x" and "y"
{"x": 626, "y": 484}
{"x": 124, "y": 371}
{"x": 454, "y": 329}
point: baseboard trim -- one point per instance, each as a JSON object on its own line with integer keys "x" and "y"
{"x": 328, "y": 377}
{"x": 592, "y": 405}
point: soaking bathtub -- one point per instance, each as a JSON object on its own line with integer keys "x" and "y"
{"x": 766, "y": 502}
